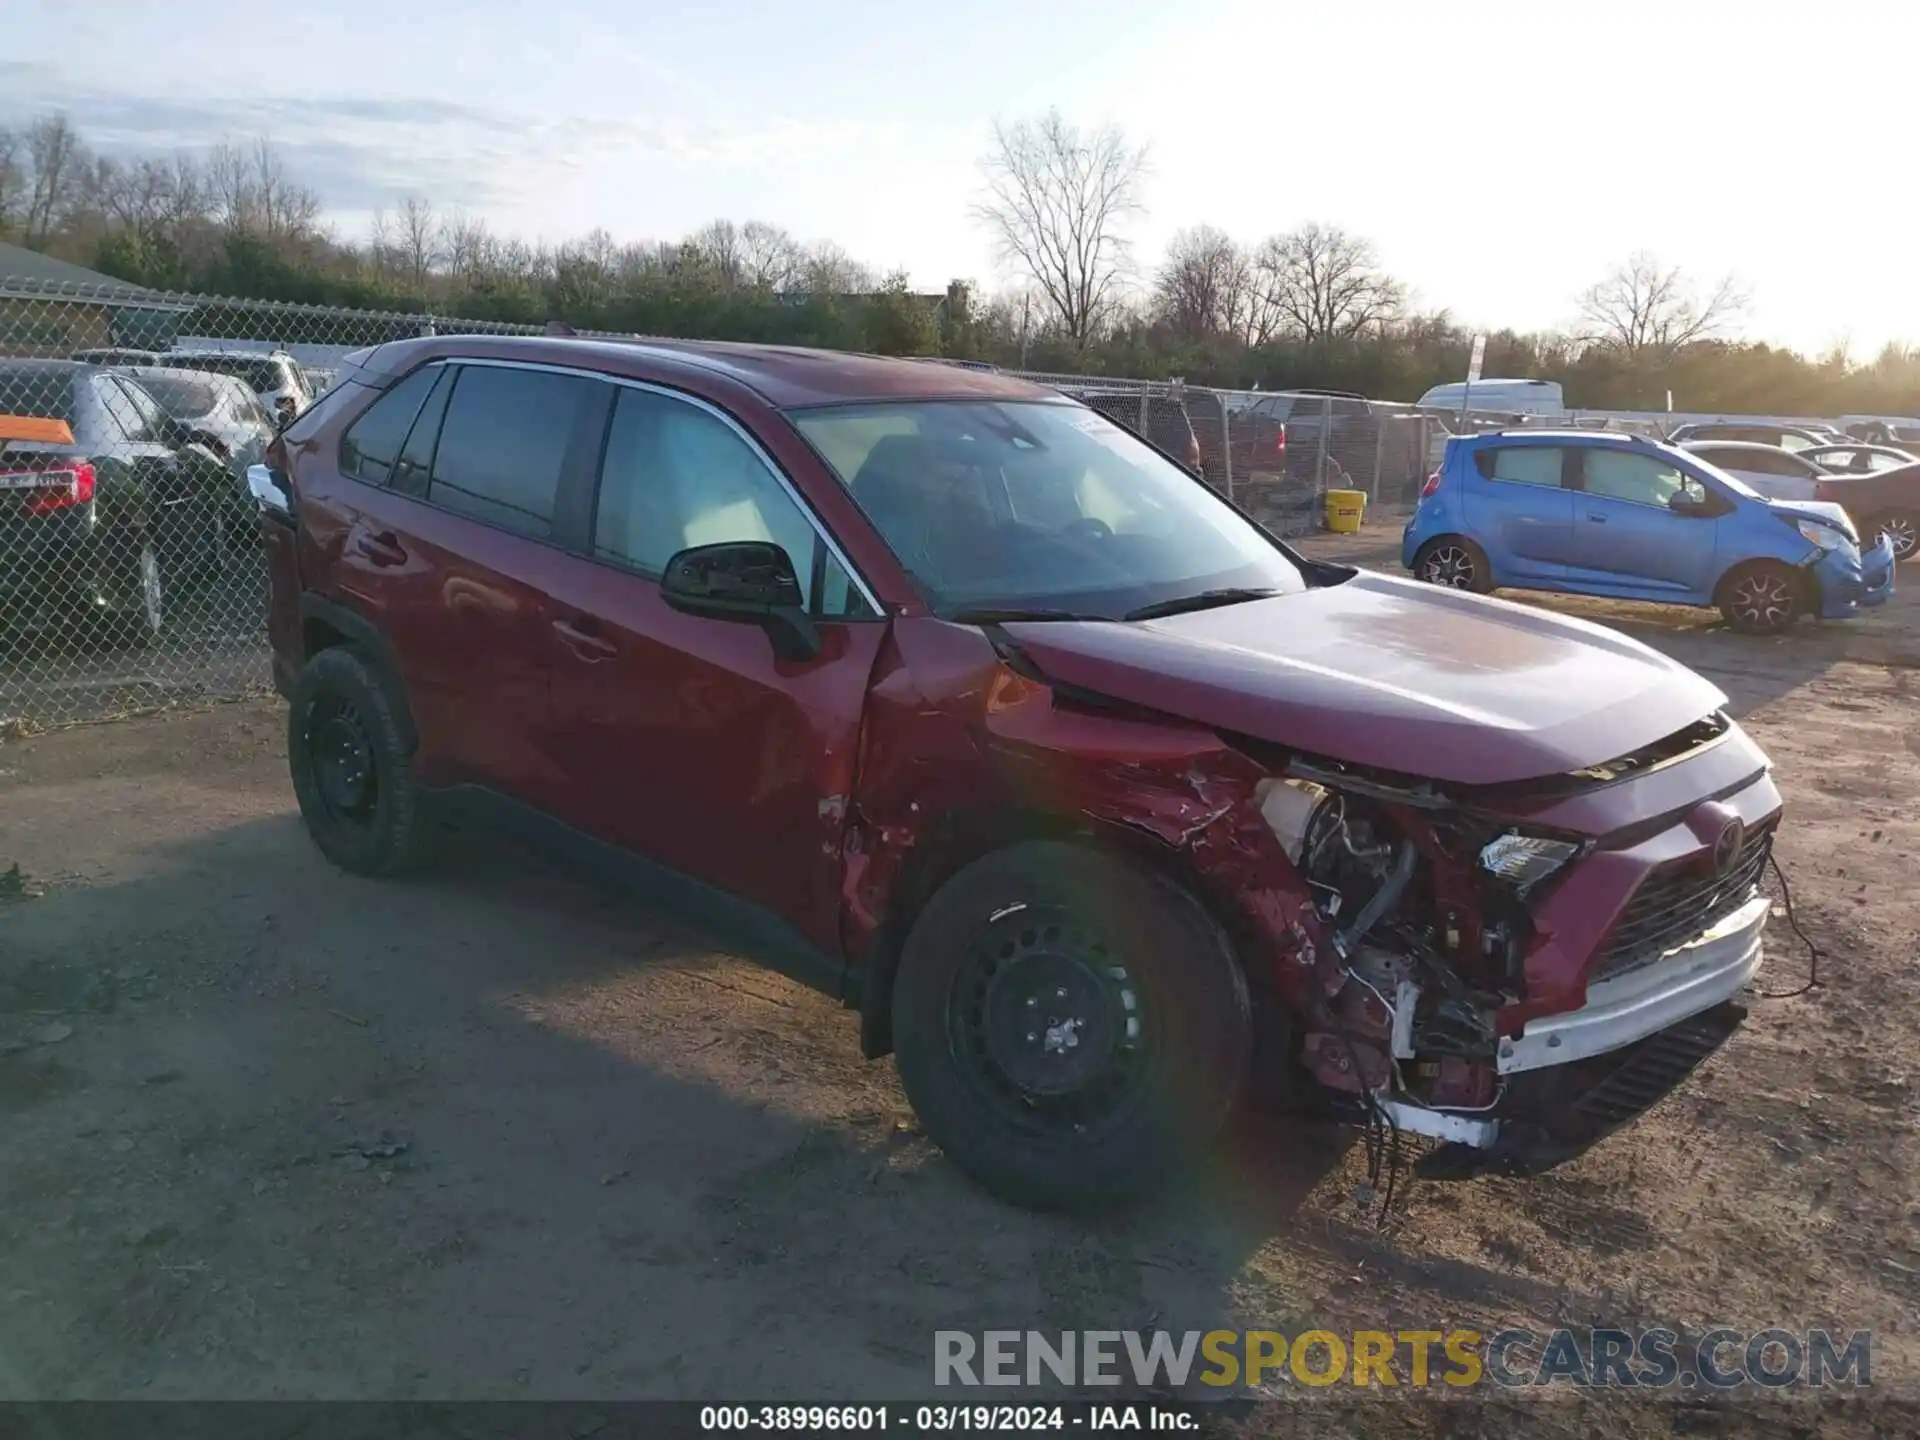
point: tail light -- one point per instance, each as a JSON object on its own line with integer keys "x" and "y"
{"x": 1280, "y": 443}
{"x": 1433, "y": 484}
{"x": 56, "y": 488}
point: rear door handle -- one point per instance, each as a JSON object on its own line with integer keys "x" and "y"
{"x": 578, "y": 636}
{"x": 1596, "y": 519}
{"x": 382, "y": 549}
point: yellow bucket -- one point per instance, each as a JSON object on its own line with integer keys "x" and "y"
{"x": 1345, "y": 510}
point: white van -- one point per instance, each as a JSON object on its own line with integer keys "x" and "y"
{"x": 1506, "y": 397}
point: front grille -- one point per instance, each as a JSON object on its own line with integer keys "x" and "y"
{"x": 1678, "y": 902}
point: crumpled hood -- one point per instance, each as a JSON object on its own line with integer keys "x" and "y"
{"x": 1391, "y": 674}
{"x": 1820, "y": 510}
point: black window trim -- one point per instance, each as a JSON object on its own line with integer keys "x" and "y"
{"x": 579, "y": 494}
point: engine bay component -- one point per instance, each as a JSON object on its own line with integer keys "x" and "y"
{"x": 1525, "y": 860}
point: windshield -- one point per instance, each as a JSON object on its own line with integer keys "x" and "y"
{"x": 1038, "y": 505}
{"x": 262, "y": 375}
{"x": 179, "y": 396}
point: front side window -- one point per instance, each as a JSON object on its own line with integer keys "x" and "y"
{"x": 1789, "y": 441}
{"x": 1522, "y": 464}
{"x": 676, "y": 476}
{"x": 372, "y": 443}
{"x": 1625, "y": 475}
{"x": 1037, "y": 504}
{"x": 502, "y": 445}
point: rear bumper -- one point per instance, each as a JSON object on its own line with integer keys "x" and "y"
{"x": 1848, "y": 587}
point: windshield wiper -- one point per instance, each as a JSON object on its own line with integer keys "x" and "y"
{"x": 1010, "y": 615}
{"x": 1205, "y": 600}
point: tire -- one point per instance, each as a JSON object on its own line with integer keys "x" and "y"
{"x": 142, "y": 619}
{"x": 351, "y": 771}
{"x": 1762, "y": 597}
{"x": 1901, "y": 527}
{"x": 1147, "y": 977}
{"x": 1454, "y": 563}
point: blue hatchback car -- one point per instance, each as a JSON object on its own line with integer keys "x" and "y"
{"x": 1592, "y": 513}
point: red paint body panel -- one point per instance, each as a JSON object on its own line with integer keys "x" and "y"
{"x": 1390, "y": 674}
{"x": 688, "y": 740}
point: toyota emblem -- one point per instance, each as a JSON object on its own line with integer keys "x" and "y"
{"x": 1727, "y": 847}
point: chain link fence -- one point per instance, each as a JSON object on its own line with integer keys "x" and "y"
{"x": 131, "y": 577}
{"x": 1274, "y": 453}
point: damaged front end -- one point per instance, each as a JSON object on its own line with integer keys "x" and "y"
{"x": 1512, "y": 969}
{"x": 1525, "y": 968}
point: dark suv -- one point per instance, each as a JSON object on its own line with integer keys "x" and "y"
{"x": 952, "y": 697}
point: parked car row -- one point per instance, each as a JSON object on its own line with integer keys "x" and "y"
{"x": 1100, "y": 804}
{"x": 111, "y": 499}
{"x": 283, "y": 386}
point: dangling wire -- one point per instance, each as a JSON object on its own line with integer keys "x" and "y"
{"x": 1813, "y": 951}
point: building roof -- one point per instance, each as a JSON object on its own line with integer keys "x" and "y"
{"x": 28, "y": 270}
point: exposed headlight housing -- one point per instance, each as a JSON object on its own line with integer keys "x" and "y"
{"x": 1525, "y": 860}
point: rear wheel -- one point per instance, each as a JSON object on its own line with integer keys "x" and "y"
{"x": 351, "y": 771}
{"x": 140, "y": 614}
{"x": 1455, "y": 562}
{"x": 1762, "y": 597}
{"x": 1902, "y": 529}
{"x": 1072, "y": 1029}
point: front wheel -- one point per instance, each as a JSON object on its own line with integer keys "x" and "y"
{"x": 1902, "y": 529}
{"x": 1455, "y": 563}
{"x": 1762, "y": 597}
{"x": 1072, "y": 1029}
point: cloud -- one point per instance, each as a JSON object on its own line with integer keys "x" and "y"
{"x": 363, "y": 152}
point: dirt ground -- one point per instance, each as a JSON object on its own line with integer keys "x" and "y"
{"x": 272, "y": 1131}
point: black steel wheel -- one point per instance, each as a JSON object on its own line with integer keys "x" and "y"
{"x": 1071, "y": 1027}
{"x": 351, "y": 766}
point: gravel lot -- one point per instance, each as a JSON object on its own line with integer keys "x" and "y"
{"x": 273, "y": 1131}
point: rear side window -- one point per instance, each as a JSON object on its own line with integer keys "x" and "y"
{"x": 1521, "y": 464}
{"x": 502, "y": 446}
{"x": 410, "y": 471}
{"x": 372, "y": 443}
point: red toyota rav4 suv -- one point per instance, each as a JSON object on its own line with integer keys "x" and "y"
{"x": 955, "y": 699}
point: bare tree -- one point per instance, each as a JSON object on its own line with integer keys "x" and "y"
{"x": 1644, "y": 306}
{"x": 467, "y": 247}
{"x": 721, "y": 251}
{"x": 1056, "y": 204}
{"x": 13, "y": 180}
{"x": 416, "y": 240}
{"x": 1199, "y": 290}
{"x": 1326, "y": 284}
{"x": 55, "y": 156}
{"x": 769, "y": 256}
{"x": 825, "y": 270}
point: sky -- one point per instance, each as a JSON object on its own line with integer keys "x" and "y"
{"x": 1501, "y": 156}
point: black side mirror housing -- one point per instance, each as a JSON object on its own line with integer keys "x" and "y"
{"x": 744, "y": 580}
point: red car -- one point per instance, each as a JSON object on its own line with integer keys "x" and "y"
{"x": 957, "y": 700}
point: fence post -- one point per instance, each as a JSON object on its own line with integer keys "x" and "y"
{"x": 1320, "y": 455}
{"x": 1379, "y": 450}
{"x": 1226, "y": 442}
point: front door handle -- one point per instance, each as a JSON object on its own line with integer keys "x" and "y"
{"x": 382, "y": 549}
{"x": 578, "y": 637}
{"x": 1596, "y": 519}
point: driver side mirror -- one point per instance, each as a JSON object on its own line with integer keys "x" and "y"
{"x": 1690, "y": 499}
{"x": 744, "y": 580}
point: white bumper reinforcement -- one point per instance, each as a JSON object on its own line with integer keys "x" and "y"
{"x": 1696, "y": 976}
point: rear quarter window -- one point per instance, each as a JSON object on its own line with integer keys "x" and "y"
{"x": 1520, "y": 464}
